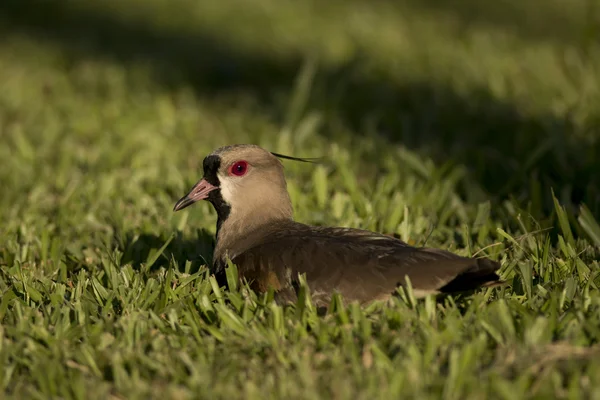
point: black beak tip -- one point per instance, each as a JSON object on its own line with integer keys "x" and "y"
{"x": 182, "y": 203}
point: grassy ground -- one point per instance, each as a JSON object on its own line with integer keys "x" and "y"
{"x": 448, "y": 122}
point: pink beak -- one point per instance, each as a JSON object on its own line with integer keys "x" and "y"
{"x": 199, "y": 192}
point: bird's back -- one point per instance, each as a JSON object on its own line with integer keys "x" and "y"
{"x": 359, "y": 264}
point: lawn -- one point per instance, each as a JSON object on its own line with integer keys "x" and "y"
{"x": 464, "y": 125}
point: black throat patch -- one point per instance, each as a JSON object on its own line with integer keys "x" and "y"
{"x": 211, "y": 166}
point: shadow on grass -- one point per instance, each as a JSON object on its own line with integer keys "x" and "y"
{"x": 506, "y": 154}
{"x": 139, "y": 250}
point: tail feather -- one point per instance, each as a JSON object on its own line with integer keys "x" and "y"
{"x": 481, "y": 274}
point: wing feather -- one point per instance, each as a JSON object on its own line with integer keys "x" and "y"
{"x": 359, "y": 264}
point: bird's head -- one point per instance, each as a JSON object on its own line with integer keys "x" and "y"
{"x": 243, "y": 182}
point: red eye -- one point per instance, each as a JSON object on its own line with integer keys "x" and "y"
{"x": 238, "y": 168}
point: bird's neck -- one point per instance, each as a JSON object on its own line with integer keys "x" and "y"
{"x": 237, "y": 232}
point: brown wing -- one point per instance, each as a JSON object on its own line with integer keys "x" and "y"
{"x": 359, "y": 264}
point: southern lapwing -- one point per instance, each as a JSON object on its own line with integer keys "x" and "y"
{"x": 256, "y": 231}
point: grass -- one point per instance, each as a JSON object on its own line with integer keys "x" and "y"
{"x": 458, "y": 125}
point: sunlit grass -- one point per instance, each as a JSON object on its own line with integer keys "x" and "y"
{"x": 479, "y": 138}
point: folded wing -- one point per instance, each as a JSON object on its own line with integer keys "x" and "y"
{"x": 361, "y": 265}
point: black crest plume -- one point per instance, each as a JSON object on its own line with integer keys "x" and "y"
{"x": 308, "y": 160}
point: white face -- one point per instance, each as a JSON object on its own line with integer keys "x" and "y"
{"x": 228, "y": 186}
{"x": 253, "y": 187}
{"x": 233, "y": 182}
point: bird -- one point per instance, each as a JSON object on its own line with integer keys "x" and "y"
{"x": 256, "y": 231}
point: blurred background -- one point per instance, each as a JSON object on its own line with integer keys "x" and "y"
{"x": 449, "y": 123}
{"x": 108, "y": 107}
